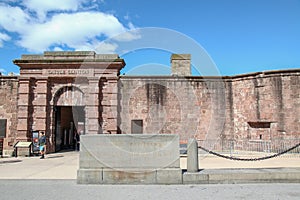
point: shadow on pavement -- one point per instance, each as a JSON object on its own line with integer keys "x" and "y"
{"x": 57, "y": 156}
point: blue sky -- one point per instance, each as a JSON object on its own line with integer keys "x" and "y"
{"x": 239, "y": 36}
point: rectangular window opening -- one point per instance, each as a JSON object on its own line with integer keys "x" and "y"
{"x": 137, "y": 126}
{"x": 3, "y": 123}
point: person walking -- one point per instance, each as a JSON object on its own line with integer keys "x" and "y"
{"x": 77, "y": 140}
{"x": 42, "y": 145}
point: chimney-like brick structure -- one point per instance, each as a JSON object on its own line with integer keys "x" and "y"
{"x": 181, "y": 64}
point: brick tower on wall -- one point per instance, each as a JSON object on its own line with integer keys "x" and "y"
{"x": 181, "y": 64}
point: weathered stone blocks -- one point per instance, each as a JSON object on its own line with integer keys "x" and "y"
{"x": 169, "y": 176}
{"x": 130, "y": 159}
{"x": 128, "y": 176}
{"x": 89, "y": 176}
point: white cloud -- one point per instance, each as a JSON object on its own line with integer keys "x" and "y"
{"x": 57, "y": 49}
{"x": 127, "y": 36}
{"x": 3, "y": 37}
{"x": 75, "y": 30}
{"x": 131, "y": 34}
{"x": 106, "y": 48}
{"x": 71, "y": 29}
{"x": 2, "y": 71}
{"x": 13, "y": 19}
{"x": 41, "y": 7}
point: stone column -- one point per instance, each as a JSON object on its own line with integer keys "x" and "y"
{"x": 92, "y": 105}
{"x": 40, "y": 106}
{"x": 192, "y": 156}
{"x": 23, "y": 109}
{"x": 110, "y": 105}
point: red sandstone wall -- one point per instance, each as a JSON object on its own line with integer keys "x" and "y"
{"x": 261, "y": 106}
{"x": 271, "y": 97}
{"x": 8, "y": 109}
{"x": 191, "y": 107}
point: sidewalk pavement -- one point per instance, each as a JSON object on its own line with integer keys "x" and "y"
{"x": 55, "y": 166}
{"x": 64, "y": 165}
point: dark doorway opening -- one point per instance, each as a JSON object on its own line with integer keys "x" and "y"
{"x": 68, "y": 121}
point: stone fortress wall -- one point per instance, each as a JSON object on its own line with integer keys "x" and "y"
{"x": 259, "y": 106}
{"x": 8, "y": 110}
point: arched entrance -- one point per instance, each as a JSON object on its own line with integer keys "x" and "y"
{"x": 69, "y": 116}
{"x": 55, "y": 86}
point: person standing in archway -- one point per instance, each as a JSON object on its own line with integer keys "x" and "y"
{"x": 42, "y": 145}
{"x": 77, "y": 140}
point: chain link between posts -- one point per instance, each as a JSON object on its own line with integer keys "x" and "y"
{"x": 249, "y": 159}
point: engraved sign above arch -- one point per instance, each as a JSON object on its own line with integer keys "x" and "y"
{"x": 68, "y": 72}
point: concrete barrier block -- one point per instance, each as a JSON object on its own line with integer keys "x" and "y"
{"x": 195, "y": 178}
{"x": 130, "y": 151}
{"x": 169, "y": 176}
{"x": 261, "y": 177}
{"x": 89, "y": 176}
{"x": 129, "y": 159}
{"x": 128, "y": 176}
{"x": 286, "y": 176}
{"x": 88, "y": 161}
{"x": 229, "y": 178}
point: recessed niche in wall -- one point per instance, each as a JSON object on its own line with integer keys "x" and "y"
{"x": 259, "y": 124}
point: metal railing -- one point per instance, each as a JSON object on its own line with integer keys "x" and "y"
{"x": 251, "y": 148}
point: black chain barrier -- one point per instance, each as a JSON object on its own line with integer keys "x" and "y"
{"x": 249, "y": 159}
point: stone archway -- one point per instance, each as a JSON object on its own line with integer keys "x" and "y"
{"x": 69, "y": 116}
{"x": 69, "y": 96}
{"x": 47, "y": 80}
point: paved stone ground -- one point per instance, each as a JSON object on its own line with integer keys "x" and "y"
{"x": 68, "y": 189}
{"x": 55, "y": 166}
{"x": 64, "y": 165}
{"x": 54, "y": 178}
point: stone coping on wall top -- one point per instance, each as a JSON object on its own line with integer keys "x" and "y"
{"x": 9, "y": 77}
{"x": 68, "y": 56}
{"x": 69, "y": 53}
{"x": 170, "y": 77}
{"x": 78, "y": 54}
{"x": 139, "y": 136}
{"x": 43, "y": 60}
{"x": 180, "y": 57}
{"x": 249, "y": 75}
{"x": 269, "y": 72}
